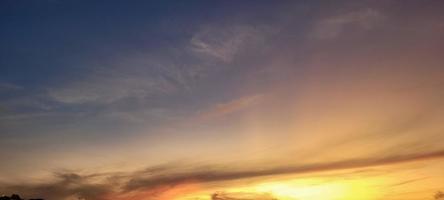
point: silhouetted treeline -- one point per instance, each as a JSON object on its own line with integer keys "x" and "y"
{"x": 15, "y": 197}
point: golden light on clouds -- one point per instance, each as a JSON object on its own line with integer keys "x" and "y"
{"x": 399, "y": 181}
{"x": 306, "y": 188}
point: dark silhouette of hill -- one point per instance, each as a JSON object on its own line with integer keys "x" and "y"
{"x": 15, "y": 197}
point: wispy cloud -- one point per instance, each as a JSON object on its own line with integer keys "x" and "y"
{"x": 223, "y": 43}
{"x": 106, "y": 86}
{"x": 212, "y": 176}
{"x": 408, "y": 181}
{"x": 66, "y": 186}
{"x": 9, "y": 86}
{"x": 161, "y": 180}
{"x": 333, "y": 26}
{"x": 232, "y": 106}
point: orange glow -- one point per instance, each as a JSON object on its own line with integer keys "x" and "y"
{"x": 336, "y": 188}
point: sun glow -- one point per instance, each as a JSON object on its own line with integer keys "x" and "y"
{"x": 321, "y": 189}
{"x": 336, "y": 188}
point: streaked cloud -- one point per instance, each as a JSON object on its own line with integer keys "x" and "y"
{"x": 212, "y": 176}
{"x": 113, "y": 83}
{"x": 229, "y": 107}
{"x": 9, "y": 87}
{"x": 158, "y": 181}
{"x": 65, "y": 186}
{"x": 224, "y": 43}
{"x": 333, "y": 26}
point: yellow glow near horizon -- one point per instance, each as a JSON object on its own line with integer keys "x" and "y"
{"x": 315, "y": 189}
{"x": 364, "y": 188}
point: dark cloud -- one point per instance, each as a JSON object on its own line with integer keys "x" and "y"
{"x": 157, "y": 180}
{"x": 66, "y": 185}
{"x": 409, "y": 181}
{"x": 221, "y": 175}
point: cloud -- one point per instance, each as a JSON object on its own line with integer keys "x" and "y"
{"x": 145, "y": 74}
{"x": 130, "y": 76}
{"x": 109, "y": 87}
{"x": 66, "y": 185}
{"x": 358, "y": 20}
{"x": 408, "y": 181}
{"x": 221, "y": 175}
{"x": 167, "y": 180}
{"x": 230, "y": 106}
{"x": 9, "y": 87}
{"x": 439, "y": 195}
{"x": 223, "y": 43}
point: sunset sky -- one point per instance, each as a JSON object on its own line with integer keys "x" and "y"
{"x": 222, "y": 100}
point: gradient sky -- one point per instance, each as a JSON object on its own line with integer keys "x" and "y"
{"x": 222, "y": 100}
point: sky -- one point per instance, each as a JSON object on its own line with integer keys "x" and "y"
{"x": 222, "y": 100}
